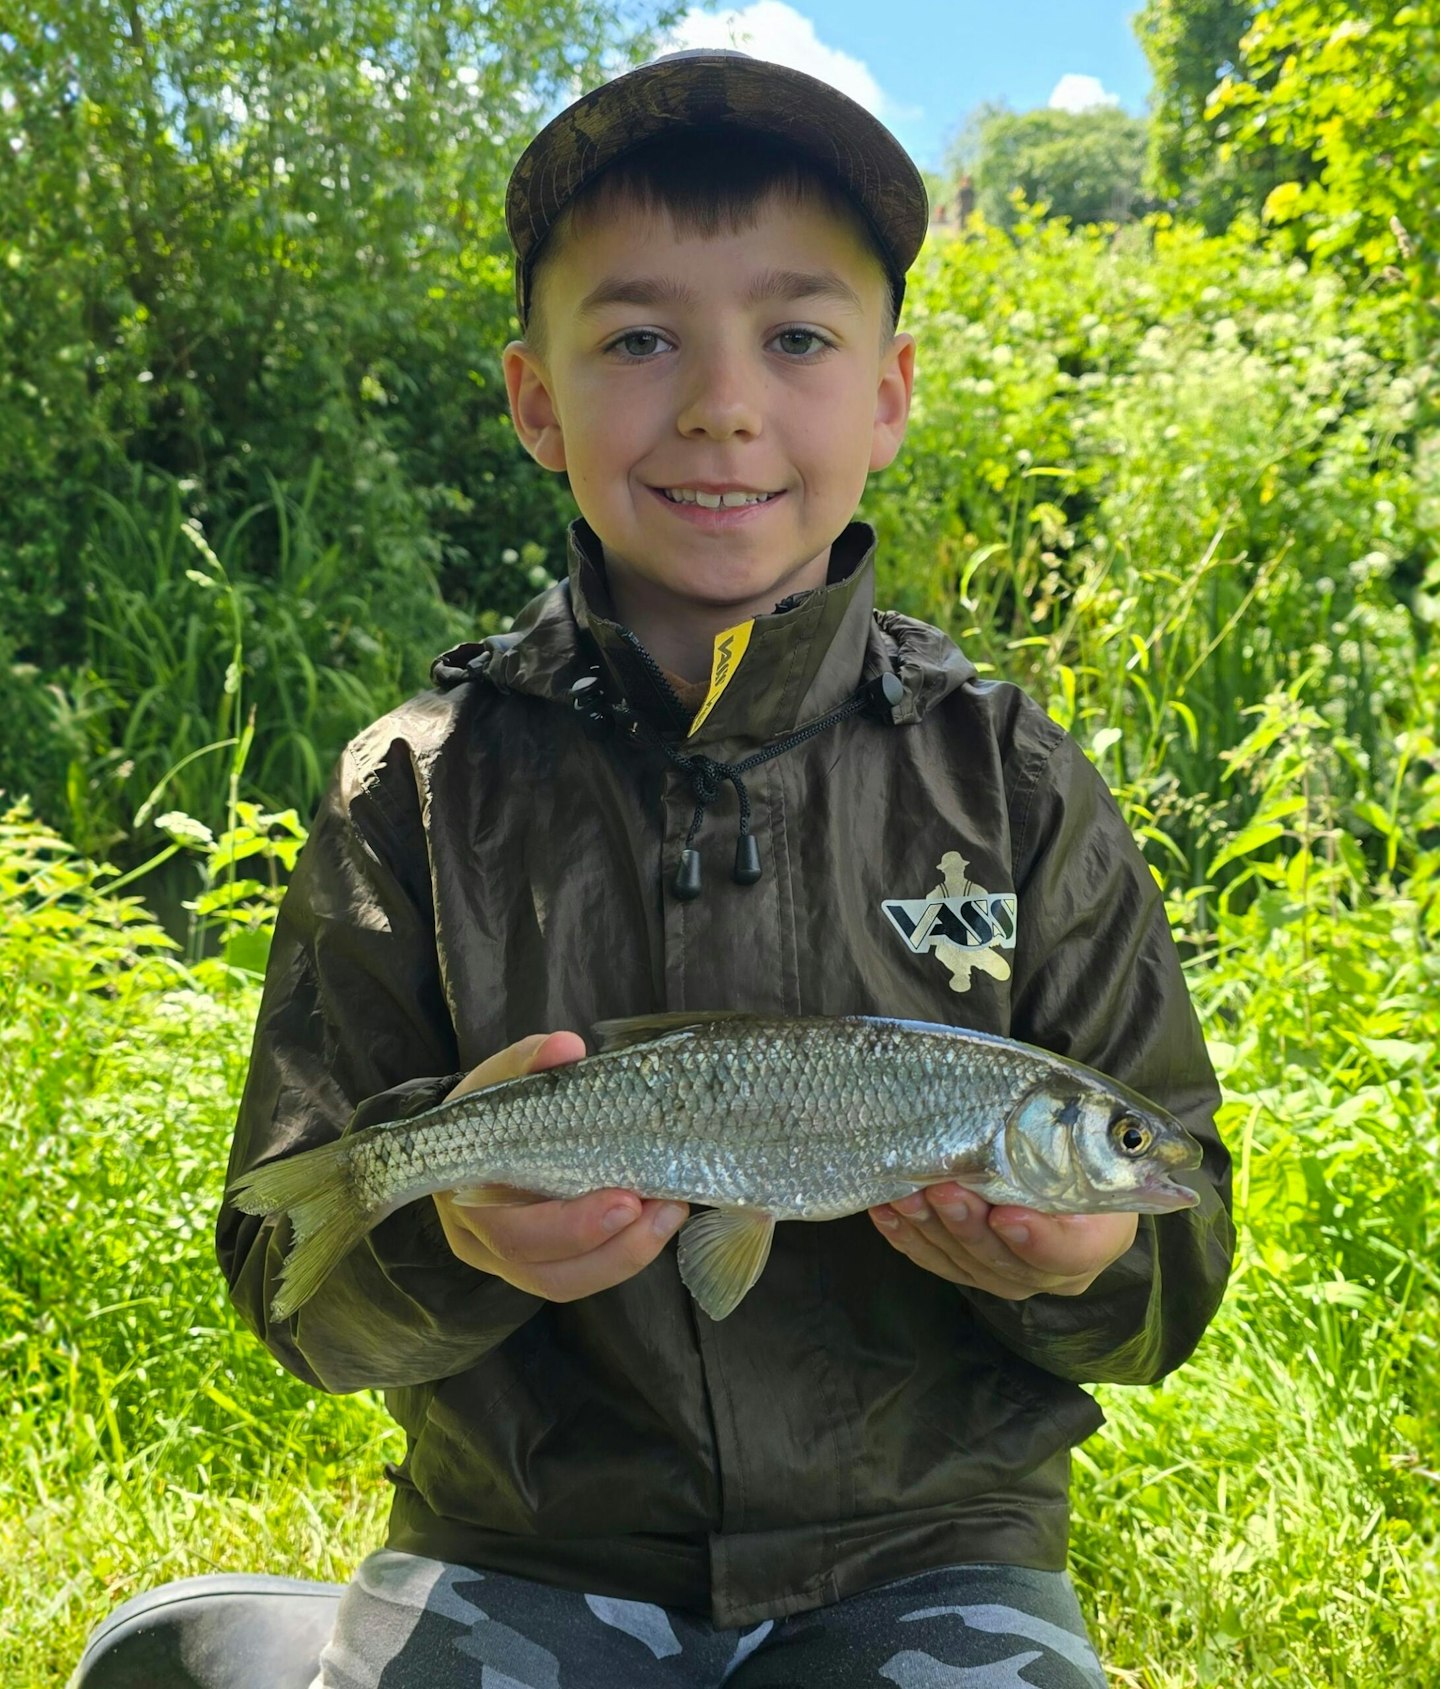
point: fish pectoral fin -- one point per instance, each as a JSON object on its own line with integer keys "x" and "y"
{"x": 958, "y": 1169}
{"x": 722, "y": 1253}
{"x": 611, "y": 1035}
{"x": 494, "y": 1196}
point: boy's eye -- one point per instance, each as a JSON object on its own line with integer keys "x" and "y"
{"x": 800, "y": 340}
{"x": 638, "y": 343}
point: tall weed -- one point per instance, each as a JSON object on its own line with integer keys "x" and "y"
{"x": 1271, "y": 1515}
{"x": 146, "y": 1435}
{"x": 184, "y": 640}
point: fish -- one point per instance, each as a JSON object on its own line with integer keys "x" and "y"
{"x": 754, "y": 1121}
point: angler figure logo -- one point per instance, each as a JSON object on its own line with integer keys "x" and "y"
{"x": 964, "y": 926}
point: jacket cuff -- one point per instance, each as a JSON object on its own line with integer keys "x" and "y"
{"x": 402, "y": 1102}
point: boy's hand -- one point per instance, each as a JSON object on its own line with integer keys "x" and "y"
{"x": 558, "y": 1250}
{"x": 1010, "y": 1252}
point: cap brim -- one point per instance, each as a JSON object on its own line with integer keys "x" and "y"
{"x": 714, "y": 89}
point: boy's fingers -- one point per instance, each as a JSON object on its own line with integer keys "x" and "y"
{"x": 553, "y": 1049}
{"x": 953, "y": 1216}
{"x": 616, "y": 1259}
{"x": 613, "y": 1262}
{"x": 1066, "y": 1245}
{"x": 1018, "y": 1243}
{"x": 966, "y": 1218}
{"x": 532, "y": 1233}
{"x": 947, "y": 1230}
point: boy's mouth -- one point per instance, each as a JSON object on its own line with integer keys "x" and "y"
{"x": 734, "y": 500}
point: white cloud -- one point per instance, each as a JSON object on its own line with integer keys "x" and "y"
{"x": 1080, "y": 93}
{"x": 771, "y": 30}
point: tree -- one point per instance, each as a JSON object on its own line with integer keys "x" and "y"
{"x": 965, "y": 146}
{"x": 1191, "y": 45}
{"x": 253, "y": 277}
{"x": 1354, "y": 87}
{"x": 1085, "y": 166}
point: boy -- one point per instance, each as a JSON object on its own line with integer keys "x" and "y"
{"x": 861, "y": 1476}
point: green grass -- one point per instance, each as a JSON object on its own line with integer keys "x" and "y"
{"x": 1270, "y": 1514}
{"x": 146, "y": 1436}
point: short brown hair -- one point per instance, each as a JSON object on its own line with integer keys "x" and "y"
{"x": 707, "y": 180}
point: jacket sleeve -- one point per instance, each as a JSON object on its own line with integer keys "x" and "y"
{"x": 1097, "y": 978}
{"x": 354, "y": 1030}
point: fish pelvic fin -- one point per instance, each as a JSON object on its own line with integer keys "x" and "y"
{"x": 316, "y": 1190}
{"x": 721, "y": 1253}
{"x": 495, "y": 1196}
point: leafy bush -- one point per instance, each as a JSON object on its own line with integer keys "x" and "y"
{"x": 1156, "y": 478}
{"x": 255, "y": 253}
{"x": 1352, "y": 85}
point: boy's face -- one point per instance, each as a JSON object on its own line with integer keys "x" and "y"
{"x": 748, "y": 361}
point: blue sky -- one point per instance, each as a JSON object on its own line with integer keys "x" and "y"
{"x": 921, "y": 65}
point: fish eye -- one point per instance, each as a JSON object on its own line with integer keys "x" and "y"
{"x": 1131, "y": 1137}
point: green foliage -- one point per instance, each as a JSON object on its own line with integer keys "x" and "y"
{"x": 256, "y": 252}
{"x": 1356, "y": 86}
{"x": 1270, "y": 1515}
{"x": 1086, "y": 167}
{"x": 1156, "y": 480}
{"x": 147, "y": 1435}
{"x": 182, "y": 644}
{"x": 1191, "y": 45}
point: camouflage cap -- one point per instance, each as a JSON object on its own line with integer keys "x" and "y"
{"x": 720, "y": 89}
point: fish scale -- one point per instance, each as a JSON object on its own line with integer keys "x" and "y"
{"x": 757, "y": 1120}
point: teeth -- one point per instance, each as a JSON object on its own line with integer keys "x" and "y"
{"x": 713, "y": 501}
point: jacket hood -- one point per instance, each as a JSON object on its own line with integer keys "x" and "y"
{"x": 803, "y": 658}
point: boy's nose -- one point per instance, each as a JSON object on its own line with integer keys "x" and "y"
{"x": 723, "y": 401}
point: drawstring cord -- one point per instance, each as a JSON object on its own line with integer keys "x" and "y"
{"x": 707, "y": 776}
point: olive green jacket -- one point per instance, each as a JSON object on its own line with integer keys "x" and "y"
{"x": 490, "y": 862}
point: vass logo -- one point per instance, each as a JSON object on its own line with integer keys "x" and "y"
{"x": 970, "y": 922}
{"x": 961, "y": 924}
{"x": 724, "y": 651}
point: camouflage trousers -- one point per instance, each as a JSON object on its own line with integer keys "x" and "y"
{"x": 410, "y": 1623}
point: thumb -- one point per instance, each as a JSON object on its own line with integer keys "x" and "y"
{"x": 549, "y": 1049}
{"x": 526, "y": 1055}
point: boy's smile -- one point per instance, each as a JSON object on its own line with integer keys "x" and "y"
{"x": 717, "y": 403}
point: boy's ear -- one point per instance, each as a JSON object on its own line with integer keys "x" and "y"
{"x": 532, "y": 406}
{"x": 892, "y": 400}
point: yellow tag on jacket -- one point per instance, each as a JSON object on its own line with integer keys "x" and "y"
{"x": 730, "y": 646}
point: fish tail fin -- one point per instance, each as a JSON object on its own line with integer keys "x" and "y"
{"x": 316, "y": 1189}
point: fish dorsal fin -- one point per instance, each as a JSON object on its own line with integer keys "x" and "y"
{"x": 640, "y": 1029}
{"x": 722, "y": 1253}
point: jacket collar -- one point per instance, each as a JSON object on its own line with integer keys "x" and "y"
{"x": 803, "y": 658}
{"x": 802, "y": 661}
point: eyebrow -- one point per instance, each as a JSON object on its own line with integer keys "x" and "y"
{"x": 768, "y": 285}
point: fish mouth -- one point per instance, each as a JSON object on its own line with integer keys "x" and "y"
{"x": 1162, "y": 1195}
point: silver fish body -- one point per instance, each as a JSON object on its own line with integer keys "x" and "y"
{"x": 757, "y": 1120}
